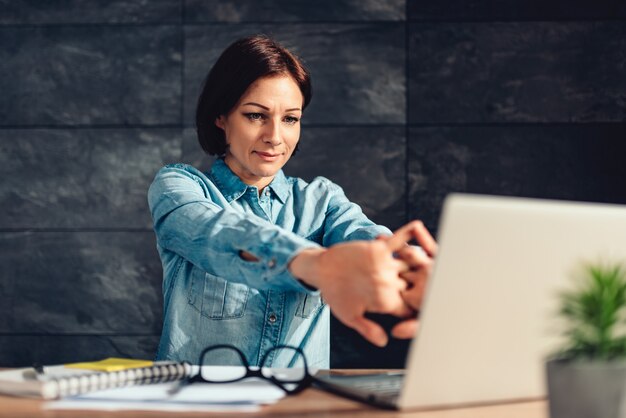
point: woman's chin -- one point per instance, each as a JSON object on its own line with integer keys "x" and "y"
{"x": 266, "y": 173}
{"x": 269, "y": 169}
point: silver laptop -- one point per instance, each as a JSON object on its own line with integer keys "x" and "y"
{"x": 490, "y": 315}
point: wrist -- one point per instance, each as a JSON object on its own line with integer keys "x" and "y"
{"x": 305, "y": 266}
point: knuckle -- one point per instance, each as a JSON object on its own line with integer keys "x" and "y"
{"x": 417, "y": 224}
{"x": 370, "y": 250}
{"x": 377, "y": 246}
{"x": 378, "y": 303}
{"x": 350, "y": 320}
{"x": 384, "y": 302}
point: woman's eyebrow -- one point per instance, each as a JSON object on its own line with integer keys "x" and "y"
{"x": 256, "y": 104}
{"x": 267, "y": 108}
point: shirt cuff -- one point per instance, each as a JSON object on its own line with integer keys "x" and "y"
{"x": 274, "y": 258}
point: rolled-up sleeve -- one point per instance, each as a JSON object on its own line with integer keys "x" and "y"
{"x": 192, "y": 220}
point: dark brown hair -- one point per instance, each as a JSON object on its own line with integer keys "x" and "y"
{"x": 240, "y": 65}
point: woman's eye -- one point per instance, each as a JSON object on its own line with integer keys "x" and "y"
{"x": 254, "y": 116}
{"x": 291, "y": 120}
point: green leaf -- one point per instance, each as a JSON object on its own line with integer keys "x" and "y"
{"x": 594, "y": 311}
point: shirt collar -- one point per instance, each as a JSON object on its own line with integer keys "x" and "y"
{"x": 233, "y": 188}
{"x": 280, "y": 186}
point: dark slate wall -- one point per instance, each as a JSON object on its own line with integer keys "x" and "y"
{"x": 412, "y": 100}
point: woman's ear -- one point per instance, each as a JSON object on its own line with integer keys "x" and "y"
{"x": 219, "y": 122}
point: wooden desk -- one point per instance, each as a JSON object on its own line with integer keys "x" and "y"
{"x": 310, "y": 403}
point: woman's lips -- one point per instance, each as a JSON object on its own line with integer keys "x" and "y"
{"x": 267, "y": 156}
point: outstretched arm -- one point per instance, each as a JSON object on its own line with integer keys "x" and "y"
{"x": 361, "y": 276}
{"x": 193, "y": 220}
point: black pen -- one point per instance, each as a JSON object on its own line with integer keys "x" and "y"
{"x": 178, "y": 386}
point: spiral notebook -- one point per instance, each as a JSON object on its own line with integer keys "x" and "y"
{"x": 54, "y": 382}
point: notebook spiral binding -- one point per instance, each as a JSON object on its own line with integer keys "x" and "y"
{"x": 83, "y": 383}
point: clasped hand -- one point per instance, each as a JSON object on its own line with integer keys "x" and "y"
{"x": 382, "y": 276}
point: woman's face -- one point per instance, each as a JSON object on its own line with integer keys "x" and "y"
{"x": 262, "y": 129}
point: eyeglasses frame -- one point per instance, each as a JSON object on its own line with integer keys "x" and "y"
{"x": 301, "y": 384}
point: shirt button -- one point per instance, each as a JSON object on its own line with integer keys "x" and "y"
{"x": 272, "y": 318}
{"x": 271, "y": 263}
{"x": 267, "y": 192}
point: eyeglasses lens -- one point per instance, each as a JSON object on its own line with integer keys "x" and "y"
{"x": 235, "y": 370}
{"x": 291, "y": 365}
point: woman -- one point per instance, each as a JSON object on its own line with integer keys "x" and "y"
{"x": 247, "y": 251}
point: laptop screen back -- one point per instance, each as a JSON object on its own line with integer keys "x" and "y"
{"x": 490, "y": 315}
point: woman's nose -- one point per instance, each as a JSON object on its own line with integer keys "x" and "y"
{"x": 271, "y": 135}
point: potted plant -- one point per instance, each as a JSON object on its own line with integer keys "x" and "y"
{"x": 587, "y": 378}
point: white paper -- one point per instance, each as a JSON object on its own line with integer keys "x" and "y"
{"x": 147, "y": 406}
{"x": 243, "y": 396}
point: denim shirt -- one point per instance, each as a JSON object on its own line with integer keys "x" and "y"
{"x": 211, "y": 294}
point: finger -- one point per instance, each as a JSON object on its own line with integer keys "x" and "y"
{"x": 405, "y": 329}
{"x": 400, "y": 266}
{"x": 370, "y": 330}
{"x": 414, "y": 278}
{"x": 391, "y": 277}
{"x": 403, "y": 311}
{"x": 416, "y": 257}
{"x": 413, "y": 230}
{"x": 394, "y": 304}
{"x": 414, "y": 296}
{"x": 400, "y": 284}
{"x": 399, "y": 238}
{"x": 425, "y": 239}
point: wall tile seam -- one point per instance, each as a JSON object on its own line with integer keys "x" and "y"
{"x": 182, "y": 4}
{"x": 407, "y": 110}
{"x": 76, "y": 230}
{"x": 517, "y": 20}
{"x": 164, "y": 127}
{"x": 317, "y": 125}
{"x": 339, "y": 125}
{"x": 299, "y": 22}
{"x": 188, "y": 22}
{"x": 85, "y": 25}
{"x": 31, "y": 334}
{"x": 82, "y": 126}
{"x": 320, "y": 22}
{"x": 513, "y": 124}
{"x": 200, "y": 24}
{"x": 183, "y": 54}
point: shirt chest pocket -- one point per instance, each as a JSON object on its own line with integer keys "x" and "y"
{"x": 216, "y": 298}
{"x": 308, "y": 305}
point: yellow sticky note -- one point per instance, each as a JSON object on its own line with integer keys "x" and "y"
{"x": 111, "y": 364}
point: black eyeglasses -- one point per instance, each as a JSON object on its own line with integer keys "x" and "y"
{"x": 292, "y": 380}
